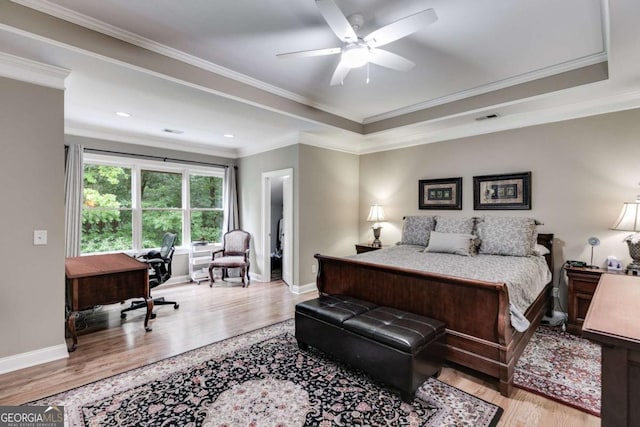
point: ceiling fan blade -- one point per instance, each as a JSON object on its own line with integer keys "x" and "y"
{"x": 388, "y": 59}
{"x": 339, "y": 74}
{"x": 401, "y": 28}
{"x": 308, "y": 53}
{"x": 336, "y": 20}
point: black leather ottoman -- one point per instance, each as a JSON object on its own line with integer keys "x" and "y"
{"x": 398, "y": 348}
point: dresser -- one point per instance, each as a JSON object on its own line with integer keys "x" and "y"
{"x": 613, "y": 321}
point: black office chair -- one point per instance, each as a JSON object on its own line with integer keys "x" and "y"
{"x": 159, "y": 272}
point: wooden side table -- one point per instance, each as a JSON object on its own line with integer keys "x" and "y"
{"x": 582, "y": 284}
{"x": 366, "y": 247}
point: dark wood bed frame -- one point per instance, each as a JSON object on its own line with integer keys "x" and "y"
{"x": 479, "y": 334}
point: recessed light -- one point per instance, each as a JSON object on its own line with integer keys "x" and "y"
{"x": 176, "y": 131}
{"x": 229, "y": 135}
{"x": 122, "y": 114}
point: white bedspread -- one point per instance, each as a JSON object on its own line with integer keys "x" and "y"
{"x": 525, "y": 277}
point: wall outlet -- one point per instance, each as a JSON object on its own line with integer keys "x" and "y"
{"x": 314, "y": 268}
{"x": 555, "y": 292}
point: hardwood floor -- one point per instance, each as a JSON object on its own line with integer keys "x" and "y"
{"x": 109, "y": 346}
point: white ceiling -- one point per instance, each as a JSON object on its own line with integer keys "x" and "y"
{"x": 464, "y": 61}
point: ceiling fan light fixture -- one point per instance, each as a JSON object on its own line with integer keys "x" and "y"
{"x": 355, "y": 55}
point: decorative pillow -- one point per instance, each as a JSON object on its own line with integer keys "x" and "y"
{"x": 447, "y": 224}
{"x": 507, "y": 235}
{"x": 451, "y": 243}
{"x": 416, "y": 230}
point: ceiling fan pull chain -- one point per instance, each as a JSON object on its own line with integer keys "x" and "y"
{"x": 367, "y": 73}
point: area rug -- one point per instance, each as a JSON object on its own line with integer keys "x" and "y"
{"x": 262, "y": 378}
{"x": 562, "y": 367}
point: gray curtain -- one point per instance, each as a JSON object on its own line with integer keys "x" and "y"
{"x": 73, "y": 180}
{"x": 231, "y": 221}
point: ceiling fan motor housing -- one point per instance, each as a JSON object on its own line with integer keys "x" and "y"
{"x": 356, "y": 20}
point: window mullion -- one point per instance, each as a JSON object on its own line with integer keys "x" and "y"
{"x": 137, "y": 207}
{"x": 186, "y": 208}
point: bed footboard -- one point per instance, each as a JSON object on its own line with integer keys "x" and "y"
{"x": 479, "y": 334}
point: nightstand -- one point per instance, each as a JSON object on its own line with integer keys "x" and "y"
{"x": 582, "y": 284}
{"x": 366, "y": 247}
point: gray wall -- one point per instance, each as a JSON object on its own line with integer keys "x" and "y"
{"x": 325, "y": 206}
{"x": 250, "y": 170}
{"x": 582, "y": 172}
{"x": 32, "y": 176}
{"x": 328, "y": 199}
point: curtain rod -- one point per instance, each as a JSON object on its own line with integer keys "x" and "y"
{"x": 150, "y": 157}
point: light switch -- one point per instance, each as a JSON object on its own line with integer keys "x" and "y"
{"x": 39, "y": 237}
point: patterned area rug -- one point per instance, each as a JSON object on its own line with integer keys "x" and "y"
{"x": 562, "y": 367}
{"x": 262, "y": 378}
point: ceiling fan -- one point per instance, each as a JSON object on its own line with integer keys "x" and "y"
{"x": 357, "y": 51}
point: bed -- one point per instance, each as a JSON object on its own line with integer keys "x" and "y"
{"x": 478, "y": 313}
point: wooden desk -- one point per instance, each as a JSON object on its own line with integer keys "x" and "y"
{"x": 613, "y": 320}
{"x": 103, "y": 279}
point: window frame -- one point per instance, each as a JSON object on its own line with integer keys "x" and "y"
{"x": 137, "y": 165}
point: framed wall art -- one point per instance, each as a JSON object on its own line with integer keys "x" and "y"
{"x": 509, "y": 191}
{"x": 444, "y": 193}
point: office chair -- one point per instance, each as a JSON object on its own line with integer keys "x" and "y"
{"x": 233, "y": 254}
{"x": 159, "y": 272}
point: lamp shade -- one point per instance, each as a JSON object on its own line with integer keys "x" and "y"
{"x": 376, "y": 214}
{"x": 629, "y": 219}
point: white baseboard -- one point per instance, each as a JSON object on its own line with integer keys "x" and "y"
{"x": 303, "y": 289}
{"x": 32, "y": 358}
{"x": 179, "y": 279}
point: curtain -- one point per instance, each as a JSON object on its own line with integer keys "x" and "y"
{"x": 231, "y": 221}
{"x": 73, "y": 180}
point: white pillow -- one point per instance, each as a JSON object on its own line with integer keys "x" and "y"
{"x": 540, "y": 250}
{"x": 450, "y": 243}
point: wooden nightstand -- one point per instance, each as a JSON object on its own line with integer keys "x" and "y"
{"x": 366, "y": 247}
{"x": 582, "y": 283}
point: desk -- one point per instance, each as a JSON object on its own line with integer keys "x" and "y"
{"x": 103, "y": 279}
{"x": 613, "y": 322}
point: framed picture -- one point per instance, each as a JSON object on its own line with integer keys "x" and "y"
{"x": 445, "y": 193}
{"x": 510, "y": 191}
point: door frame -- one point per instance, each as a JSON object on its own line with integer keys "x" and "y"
{"x": 287, "y": 210}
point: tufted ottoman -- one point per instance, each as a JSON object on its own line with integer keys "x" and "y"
{"x": 398, "y": 348}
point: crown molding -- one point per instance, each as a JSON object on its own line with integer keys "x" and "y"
{"x": 274, "y": 144}
{"x": 73, "y": 17}
{"x": 604, "y": 104}
{"x": 110, "y": 135}
{"x": 491, "y": 87}
{"x": 26, "y": 70}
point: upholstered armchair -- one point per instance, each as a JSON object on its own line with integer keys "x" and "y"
{"x": 233, "y": 254}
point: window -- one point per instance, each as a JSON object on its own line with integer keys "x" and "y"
{"x": 161, "y": 201}
{"x": 206, "y": 207}
{"x": 129, "y": 204}
{"x": 106, "y": 212}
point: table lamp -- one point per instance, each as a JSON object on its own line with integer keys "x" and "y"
{"x": 376, "y": 214}
{"x": 629, "y": 220}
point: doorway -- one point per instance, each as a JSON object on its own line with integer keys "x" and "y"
{"x": 277, "y": 227}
